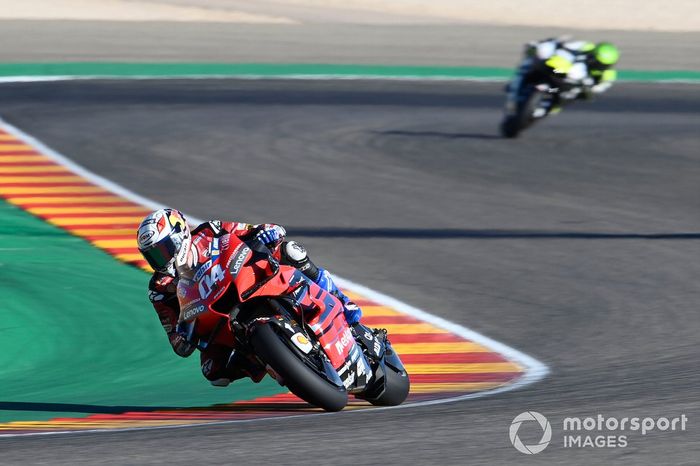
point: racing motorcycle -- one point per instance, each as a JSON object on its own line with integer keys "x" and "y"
{"x": 533, "y": 94}
{"x": 244, "y": 299}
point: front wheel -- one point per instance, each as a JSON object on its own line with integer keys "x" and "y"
{"x": 513, "y": 125}
{"x": 300, "y": 378}
{"x": 510, "y": 127}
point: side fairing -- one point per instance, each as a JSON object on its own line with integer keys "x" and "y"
{"x": 328, "y": 323}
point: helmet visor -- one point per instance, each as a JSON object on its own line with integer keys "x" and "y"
{"x": 160, "y": 254}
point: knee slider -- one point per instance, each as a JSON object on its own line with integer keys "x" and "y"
{"x": 222, "y": 382}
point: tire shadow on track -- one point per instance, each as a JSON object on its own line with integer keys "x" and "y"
{"x": 75, "y": 407}
{"x": 437, "y": 134}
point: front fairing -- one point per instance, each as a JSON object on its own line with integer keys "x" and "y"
{"x": 229, "y": 265}
{"x": 199, "y": 287}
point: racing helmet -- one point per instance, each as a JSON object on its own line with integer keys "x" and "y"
{"x": 163, "y": 239}
{"x": 604, "y": 55}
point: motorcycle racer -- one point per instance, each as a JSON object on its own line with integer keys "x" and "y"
{"x": 170, "y": 247}
{"x": 585, "y": 68}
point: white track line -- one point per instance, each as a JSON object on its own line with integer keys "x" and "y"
{"x": 309, "y": 77}
{"x": 534, "y": 370}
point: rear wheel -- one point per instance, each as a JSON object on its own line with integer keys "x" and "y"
{"x": 301, "y": 379}
{"x": 396, "y": 388}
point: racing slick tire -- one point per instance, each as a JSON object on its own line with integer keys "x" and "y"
{"x": 297, "y": 376}
{"x": 396, "y": 388}
{"x": 513, "y": 125}
{"x": 509, "y": 127}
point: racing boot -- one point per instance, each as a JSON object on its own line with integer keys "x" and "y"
{"x": 295, "y": 254}
{"x": 353, "y": 313}
{"x": 244, "y": 363}
{"x": 221, "y": 366}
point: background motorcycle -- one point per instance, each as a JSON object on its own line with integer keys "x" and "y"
{"x": 534, "y": 93}
{"x": 243, "y": 298}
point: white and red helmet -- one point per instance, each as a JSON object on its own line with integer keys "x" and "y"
{"x": 164, "y": 239}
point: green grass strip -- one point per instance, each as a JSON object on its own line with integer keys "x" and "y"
{"x": 79, "y": 335}
{"x": 126, "y": 70}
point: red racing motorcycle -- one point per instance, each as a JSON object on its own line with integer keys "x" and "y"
{"x": 244, "y": 299}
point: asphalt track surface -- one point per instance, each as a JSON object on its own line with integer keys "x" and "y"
{"x": 576, "y": 244}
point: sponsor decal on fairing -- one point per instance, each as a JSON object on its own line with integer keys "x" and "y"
{"x": 238, "y": 261}
{"x": 345, "y": 339}
{"x": 194, "y": 312}
{"x": 202, "y": 270}
{"x": 301, "y": 342}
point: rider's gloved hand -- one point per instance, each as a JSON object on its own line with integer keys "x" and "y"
{"x": 271, "y": 237}
{"x": 181, "y": 346}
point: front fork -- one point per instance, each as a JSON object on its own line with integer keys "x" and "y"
{"x": 516, "y": 97}
{"x": 514, "y": 86}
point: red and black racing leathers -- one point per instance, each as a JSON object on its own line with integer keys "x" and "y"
{"x": 215, "y": 363}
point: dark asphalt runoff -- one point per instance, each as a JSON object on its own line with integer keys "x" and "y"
{"x": 577, "y": 244}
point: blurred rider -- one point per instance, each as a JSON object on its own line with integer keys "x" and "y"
{"x": 166, "y": 242}
{"x": 585, "y": 67}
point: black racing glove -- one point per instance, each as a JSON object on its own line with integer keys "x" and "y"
{"x": 181, "y": 346}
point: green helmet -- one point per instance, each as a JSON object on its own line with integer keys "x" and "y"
{"x": 606, "y": 54}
